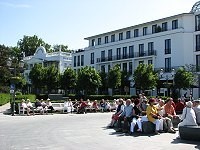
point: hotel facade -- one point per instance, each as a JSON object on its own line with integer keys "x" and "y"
{"x": 166, "y": 43}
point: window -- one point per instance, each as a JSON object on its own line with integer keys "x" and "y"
{"x": 164, "y": 26}
{"x": 197, "y": 22}
{"x": 154, "y": 28}
{"x": 74, "y": 61}
{"x": 93, "y": 42}
{"x": 141, "y": 50}
{"x": 120, "y": 36}
{"x": 130, "y": 67}
{"x": 103, "y": 68}
{"x": 141, "y": 62}
{"x": 113, "y": 38}
{"x": 136, "y": 33}
{"x": 106, "y": 39}
{"x": 108, "y": 68}
{"x": 99, "y": 41}
{"x": 109, "y": 54}
{"x": 198, "y": 42}
{"x": 128, "y": 34}
{"x": 118, "y": 53}
{"x": 82, "y": 60}
{"x": 198, "y": 62}
{"x": 145, "y": 31}
{"x": 102, "y": 56}
{"x": 168, "y": 46}
{"x": 124, "y": 52}
{"x": 124, "y": 67}
{"x": 150, "y": 48}
{"x": 92, "y": 58}
{"x": 174, "y": 24}
{"x": 150, "y": 62}
{"x": 131, "y": 51}
{"x": 78, "y": 63}
{"x": 168, "y": 64}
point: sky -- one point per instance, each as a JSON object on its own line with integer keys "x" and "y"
{"x": 68, "y": 22}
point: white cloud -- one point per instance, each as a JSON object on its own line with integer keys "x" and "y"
{"x": 15, "y": 5}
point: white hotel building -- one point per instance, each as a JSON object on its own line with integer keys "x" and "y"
{"x": 60, "y": 59}
{"x": 167, "y": 43}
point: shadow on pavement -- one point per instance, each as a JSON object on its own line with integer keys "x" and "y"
{"x": 179, "y": 141}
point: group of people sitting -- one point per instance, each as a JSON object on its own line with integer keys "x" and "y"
{"x": 133, "y": 112}
{"x": 40, "y": 105}
{"x": 84, "y": 106}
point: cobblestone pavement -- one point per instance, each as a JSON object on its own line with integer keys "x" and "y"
{"x": 78, "y": 131}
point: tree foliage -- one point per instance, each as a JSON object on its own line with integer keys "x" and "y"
{"x": 104, "y": 82}
{"x": 64, "y": 48}
{"x": 183, "y": 78}
{"x": 51, "y": 78}
{"x": 114, "y": 77}
{"x": 88, "y": 80}
{"x": 37, "y": 76}
{"x": 29, "y": 44}
{"x": 68, "y": 79}
{"x": 145, "y": 78}
{"x": 4, "y": 69}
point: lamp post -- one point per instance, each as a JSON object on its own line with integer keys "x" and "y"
{"x": 14, "y": 81}
{"x": 167, "y": 77}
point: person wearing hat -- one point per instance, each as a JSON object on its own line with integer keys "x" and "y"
{"x": 196, "y": 108}
{"x": 188, "y": 117}
{"x": 152, "y": 114}
{"x": 49, "y": 105}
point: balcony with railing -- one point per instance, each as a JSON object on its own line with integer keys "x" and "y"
{"x": 127, "y": 56}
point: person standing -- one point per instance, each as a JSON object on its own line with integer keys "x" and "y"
{"x": 197, "y": 110}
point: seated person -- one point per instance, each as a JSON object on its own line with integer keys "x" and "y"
{"x": 24, "y": 106}
{"x": 95, "y": 105}
{"x": 152, "y": 114}
{"x": 126, "y": 116}
{"x": 179, "y": 106}
{"x": 38, "y": 106}
{"x": 165, "y": 122}
{"x": 107, "y": 105}
{"x": 82, "y": 106}
{"x": 49, "y": 105}
{"x": 119, "y": 110}
{"x": 197, "y": 110}
{"x": 188, "y": 118}
{"x": 68, "y": 105}
{"x": 29, "y": 107}
{"x": 169, "y": 109}
{"x": 103, "y": 105}
{"x": 76, "y": 105}
{"x": 136, "y": 119}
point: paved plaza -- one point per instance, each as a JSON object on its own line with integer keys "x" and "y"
{"x": 78, "y": 131}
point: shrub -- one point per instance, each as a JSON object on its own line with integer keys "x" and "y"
{"x": 4, "y": 98}
{"x": 18, "y": 93}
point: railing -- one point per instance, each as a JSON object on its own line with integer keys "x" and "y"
{"x": 127, "y": 56}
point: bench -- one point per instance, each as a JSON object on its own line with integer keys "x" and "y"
{"x": 190, "y": 133}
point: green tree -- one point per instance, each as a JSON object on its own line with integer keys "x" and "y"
{"x": 68, "y": 79}
{"x": 37, "y": 77}
{"x": 183, "y": 79}
{"x": 104, "y": 82}
{"x": 64, "y": 48}
{"x": 88, "y": 80}
{"x": 51, "y": 78}
{"x": 114, "y": 77}
{"x": 4, "y": 69}
{"x": 125, "y": 83}
{"x": 145, "y": 78}
{"x": 29, "y": 44}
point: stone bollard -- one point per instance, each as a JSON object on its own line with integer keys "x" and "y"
{"x": 148, "y": 127}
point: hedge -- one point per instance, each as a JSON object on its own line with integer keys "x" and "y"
{"x": 4, "y": 98}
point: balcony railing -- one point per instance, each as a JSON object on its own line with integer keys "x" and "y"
{"x": 127, "y": 56}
